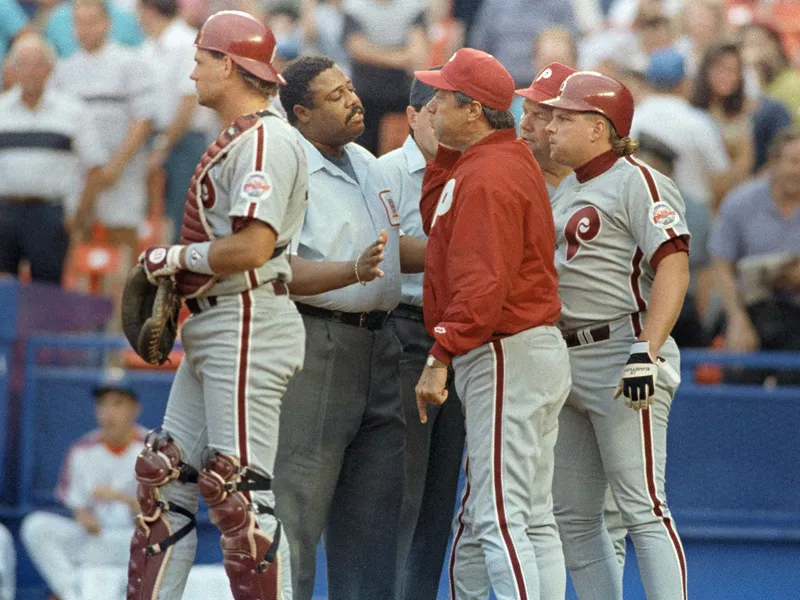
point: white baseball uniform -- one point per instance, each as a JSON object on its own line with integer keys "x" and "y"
{"x": 60, "y": 547}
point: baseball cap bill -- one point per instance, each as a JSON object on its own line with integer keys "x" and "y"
{"x": 475, "y": 73}
{"x": 546, "y": 83}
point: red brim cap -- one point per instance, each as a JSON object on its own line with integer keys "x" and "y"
{"x": 533, "y": 94}
{"x": 435, "y": 80}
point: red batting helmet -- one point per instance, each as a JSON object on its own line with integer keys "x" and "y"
{"x": 587, "y": 91}
{"x": 248, "y": 42}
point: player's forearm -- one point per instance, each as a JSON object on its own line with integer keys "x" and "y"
{"x": 91, "y": 186}
{"x": 138, "y": 133}
{"x": 249, "y": 248}
{"x": 666, "y": 299}
{"x": 725, "y": 276}
{"x": 412, "y": 254}
{"x": 311, "y": 277}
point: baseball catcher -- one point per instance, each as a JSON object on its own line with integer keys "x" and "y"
{"x": 243, "y": 342}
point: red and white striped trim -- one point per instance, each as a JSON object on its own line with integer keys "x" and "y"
{"x": 655, "y": 502}
{"x": 641, "y": 305}
{"x": 259, "y": 162}
{"x": 459, "y": 533}
{"x": 252, "y": 275}
{"x": 652, "y": 188}
{"x": 497, "y": 472}
{"x": 243, "y": 359}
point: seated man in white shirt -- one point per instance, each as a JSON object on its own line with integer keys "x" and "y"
{"x": 97, "y": 485}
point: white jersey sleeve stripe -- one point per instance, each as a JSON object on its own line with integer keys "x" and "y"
{"x": 644, "y": 170}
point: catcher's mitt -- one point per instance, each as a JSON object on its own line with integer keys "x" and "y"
{"x": 150, "y": 316}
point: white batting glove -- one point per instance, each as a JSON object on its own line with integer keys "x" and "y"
{"x": 638, "y": 382}
{"x": 161, "y": 261}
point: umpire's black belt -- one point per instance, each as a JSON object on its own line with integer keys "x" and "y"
{"x": 587, "y": 335}
{"x": 409, "y": 312}
{"x": 368, "y": 320}
{"x": 195, "y": 308}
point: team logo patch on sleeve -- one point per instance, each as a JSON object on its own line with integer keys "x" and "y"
{"x": 663, "y": 216}
{"x": 390, "y": 207}
{"x": 257, "y": 186}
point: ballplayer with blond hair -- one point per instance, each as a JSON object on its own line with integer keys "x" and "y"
{"x": 244, "y": 340}
{"x": 622, "y": 259}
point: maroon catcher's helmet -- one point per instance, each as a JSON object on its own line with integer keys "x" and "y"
{"x": 587, "y": 91}
{"x": 248, "y": 42}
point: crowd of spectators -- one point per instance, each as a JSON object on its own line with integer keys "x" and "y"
{"x": 715, "y": 81}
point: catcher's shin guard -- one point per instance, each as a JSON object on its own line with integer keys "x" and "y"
{"x": 249, "y": 554}
{"x": 160, "y": 462}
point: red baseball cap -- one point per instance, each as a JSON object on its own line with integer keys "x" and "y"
{"x": 475, "y": 73}
{"x": 546, "y": 83}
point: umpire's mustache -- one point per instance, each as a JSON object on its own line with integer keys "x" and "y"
{"x": 358, "y": 110}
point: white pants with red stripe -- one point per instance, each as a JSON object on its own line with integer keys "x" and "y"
{"x": 505, "y": 535}
{"x": 240, "y": 356}
{"x": 602, "y": 442}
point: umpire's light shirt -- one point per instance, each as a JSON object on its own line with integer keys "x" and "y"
{"x": 44, "y": 151}
{"x": 344, "y": 216}
{"x": 404, "y": 169}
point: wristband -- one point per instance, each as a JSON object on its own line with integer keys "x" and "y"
{"x": 197, "y": 258}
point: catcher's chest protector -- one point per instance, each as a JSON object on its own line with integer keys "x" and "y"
{"x": 195, "y": 227}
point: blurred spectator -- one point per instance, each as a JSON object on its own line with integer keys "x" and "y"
{"x": 98, "y": 486}
{"x": 8, "y": 565}
{"x": 445, "y": 32}
{"x": 12, "y": 20}
{"x": 47, "y": 143}
{"x": 284, "y": 22}
{"x": 323, "y": 31}
{"x": 689, "y": 330}
{"x": 465, "y": 11}
{"x": 622, "y": 13}
{"x": 505, "y": 28}
{"x": 117, "y": 87}
{"x": 60, "y": 28}
{"x": 704, "y": 24}
{"x": 719, "y": 89}
{"x": 701, "y": 166}
{"x": 387, "y": 41}
{"x": 760, "y": 221}
{"x": 763, "y": 52}
{"x": 183, "y": 127}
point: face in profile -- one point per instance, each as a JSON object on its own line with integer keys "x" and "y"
{"x": 208, "y": 76}
{"x": 570, "y": 134}
{"x": 533, "y": 126}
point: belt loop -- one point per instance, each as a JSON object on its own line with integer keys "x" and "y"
{"x": 361, "y": 319}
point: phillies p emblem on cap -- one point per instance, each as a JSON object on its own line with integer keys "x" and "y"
{"x": 546, "y": 74}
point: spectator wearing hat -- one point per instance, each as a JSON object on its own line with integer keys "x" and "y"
{"x": 490, "y": 299}
{"x": 702, "y": 166}
{"x": 97, "y": 486}
{"x": 433, "y": 450}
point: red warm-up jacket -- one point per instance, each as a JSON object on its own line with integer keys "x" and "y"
{"x": 489, "y": 264}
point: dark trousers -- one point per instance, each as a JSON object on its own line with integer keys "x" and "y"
{"x": 339, "y": 468}
{"x": 778, "y": 327}
{"x": 35, "y": 231}
{"x": 179, "y": 168}
{"x": 432, "y": 465}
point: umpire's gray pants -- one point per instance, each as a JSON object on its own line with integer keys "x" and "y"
{"x": 340, "y": 460}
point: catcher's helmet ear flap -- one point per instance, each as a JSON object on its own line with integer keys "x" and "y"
{"x": 587, "y": 91}
{"x": 248, "y": 42}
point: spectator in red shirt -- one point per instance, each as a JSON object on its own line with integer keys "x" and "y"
{"x": 491, "y": 303}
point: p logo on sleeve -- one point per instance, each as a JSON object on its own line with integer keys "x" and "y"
{"x": 663, "y": 216}
{"x": 257, "y": 186}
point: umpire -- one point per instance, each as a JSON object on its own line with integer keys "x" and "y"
{"x": 340, "y": 454}
{"x": 433, "y": 449}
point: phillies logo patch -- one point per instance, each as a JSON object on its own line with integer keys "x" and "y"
{"x": 546, "y": 74}
{"x": 663, "y": 216}
{"x": 257, "y": 186}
